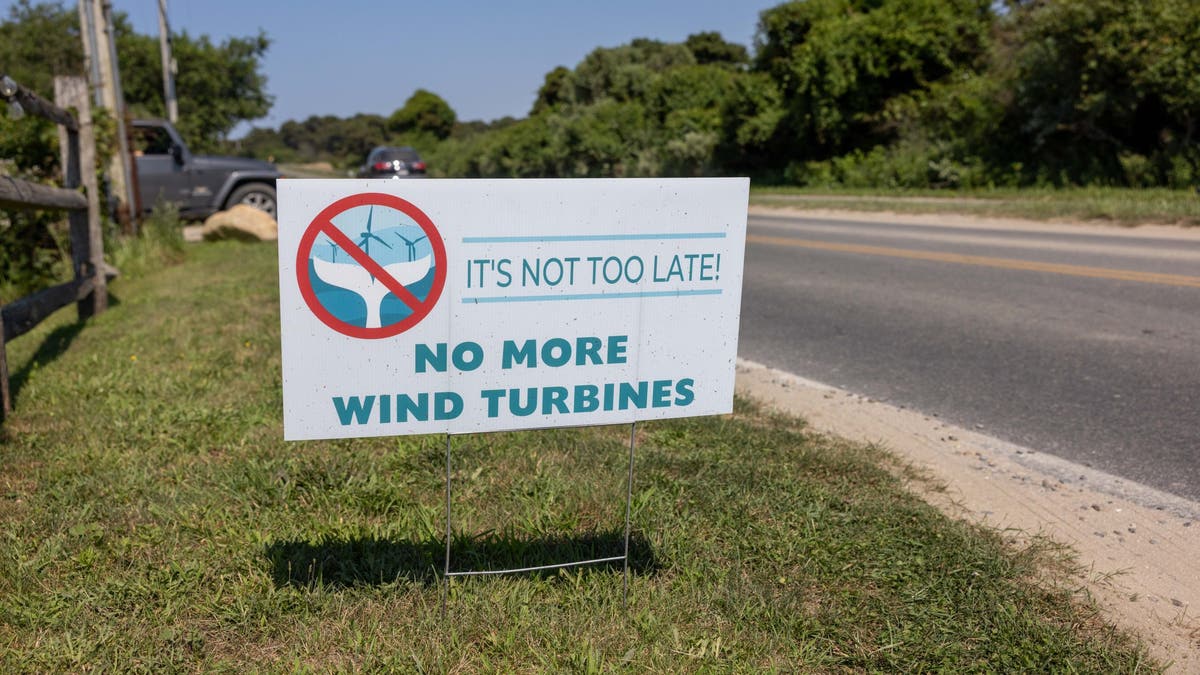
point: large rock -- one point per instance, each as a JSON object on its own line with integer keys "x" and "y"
{"x": 244, "y": 223}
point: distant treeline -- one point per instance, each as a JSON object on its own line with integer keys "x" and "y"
{"x": 872, "y": 93}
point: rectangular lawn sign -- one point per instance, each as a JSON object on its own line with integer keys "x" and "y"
{"x": 456, "y": 306}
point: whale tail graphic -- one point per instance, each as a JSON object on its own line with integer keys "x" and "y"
{"x": 354, "y": 277}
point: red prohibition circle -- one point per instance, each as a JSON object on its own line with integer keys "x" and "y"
{"x": 323, "y": 224}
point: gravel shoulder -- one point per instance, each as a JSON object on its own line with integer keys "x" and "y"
{"x": 972, "y": 222}
{"x": 1140, "y": 547}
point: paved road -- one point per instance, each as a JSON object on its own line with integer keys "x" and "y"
{"x": 1080, "y": 343}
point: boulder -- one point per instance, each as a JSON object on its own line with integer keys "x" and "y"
{"x": 244, "y": 223}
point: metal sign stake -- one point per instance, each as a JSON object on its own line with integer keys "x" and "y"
{"x": 446, "y": 569}
{"x": 628, "y": 511}
{"x": 447, "y": 575}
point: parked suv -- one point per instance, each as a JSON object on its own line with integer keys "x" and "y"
{"x": 199, "y": 185}
{"x": 390, "y": 162}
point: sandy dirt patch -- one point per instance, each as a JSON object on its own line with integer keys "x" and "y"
{"x": 1140, "y": 547}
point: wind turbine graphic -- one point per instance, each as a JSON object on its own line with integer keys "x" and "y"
{"x": 412, "y": 244}
{"x": 367, "y": 236}
{"x": 354, "y": 277}
{"x": 332, "y": 251}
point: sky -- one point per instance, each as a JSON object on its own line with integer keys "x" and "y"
{"x": 486, "y": 59}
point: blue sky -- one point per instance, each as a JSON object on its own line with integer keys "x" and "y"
{"x": 487, "y": 59}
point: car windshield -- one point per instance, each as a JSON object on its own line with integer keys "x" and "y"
{"x": 392, "y": 154}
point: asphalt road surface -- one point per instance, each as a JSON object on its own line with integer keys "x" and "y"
{"x": 1079, "y": 342}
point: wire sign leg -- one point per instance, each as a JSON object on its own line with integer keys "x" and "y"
{"x": 447, "y": 575}
{"x": 446, "y": 569}
{"x": 628, "y": 510}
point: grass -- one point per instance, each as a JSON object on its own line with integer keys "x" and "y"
{"x": 152, "y": 519}
{"x": 1123, "y": 206}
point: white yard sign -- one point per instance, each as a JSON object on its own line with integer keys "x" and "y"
{"x": 456, "y": 306}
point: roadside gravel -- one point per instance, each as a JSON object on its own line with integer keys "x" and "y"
{"x": 1140, "y": 547}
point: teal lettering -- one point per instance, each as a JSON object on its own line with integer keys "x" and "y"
{"x": 662, "y": 393}
{"x": 588, "y": 349}
{"x": 426, "y": 356}
{"x": 502, "y": 269}
{"x": 676, "y": 269}
{"x": 617, "y": 348}
{"x": 587, "y": 398}
{"x": 564, "y": 352}
{"x": 492, "y": 396}
{"x": 354, "y": 410}
{"x": 528, "y": 352}
{"x": 556, "y": 398}
{"x": 418, "y": 409}
{"x": 530, "y": 272}
{"x": 514, "y": 402}
{"x": 467, "y": 356}
{"x": 448, "y": 405}
{"x": 635, "y": 394}
{"x": 683, "y": 392}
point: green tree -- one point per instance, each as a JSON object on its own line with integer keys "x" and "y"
{"x": 558, "y": 89}
{"x": 424, "y": 112}
{"x": 38, "y": 42}
{"x": 624, "y": 73}
{"x": 1107, "y": 90}
{"x": 31, "y": 251}
{"x": 837, "y": 63}
{"x": 751, "y": 118}
{"x": 33, "y": 61}
{"x": 218, "y": 85}
{"x": 709, "y": 47}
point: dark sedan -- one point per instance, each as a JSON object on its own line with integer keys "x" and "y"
{"x": 389, "y": 162}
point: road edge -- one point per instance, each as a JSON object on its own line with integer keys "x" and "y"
{"x": 1140, "y": 546}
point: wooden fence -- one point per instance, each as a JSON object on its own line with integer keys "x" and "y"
{"x": 89, "y": 288}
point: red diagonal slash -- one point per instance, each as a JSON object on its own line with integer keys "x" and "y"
{"x": 373, "y": 268}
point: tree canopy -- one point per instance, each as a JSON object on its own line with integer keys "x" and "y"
{"x": 424, "y": 112}
{"x": 1109, "y": 88}
{"x": 872, "y": 93}
{"x": 218, "y": 86}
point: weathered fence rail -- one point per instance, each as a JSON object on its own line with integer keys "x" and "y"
{"x": 89, "y": 287}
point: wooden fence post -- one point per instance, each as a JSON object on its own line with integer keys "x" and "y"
{"x": 5, "y": 399}
{"x": 79, "y": 168}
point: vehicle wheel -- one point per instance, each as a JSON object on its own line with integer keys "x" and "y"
{"x": 259, "y": 195}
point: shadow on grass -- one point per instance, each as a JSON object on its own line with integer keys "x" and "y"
{"x": 54, "y": 345}
{"x": 372, "y": 562}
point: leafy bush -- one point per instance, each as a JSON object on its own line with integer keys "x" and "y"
{"x": 909, "y": 165}
{"x": 159, "y": 243}
{"x": 33, "y": 252}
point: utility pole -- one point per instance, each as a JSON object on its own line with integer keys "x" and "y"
{"x": 168, "y": 63}
{"x": 100, "y": 49}
{"x": 121, "y": 169}
{"x": 87, "y": 27}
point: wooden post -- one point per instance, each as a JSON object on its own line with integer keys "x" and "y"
{"x": 79, "y": 169}
{"x": 168, "y": 64}
{"x": 5, "y": 398}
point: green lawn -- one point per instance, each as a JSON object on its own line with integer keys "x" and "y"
{"x": 1124, "y": 206}
{"x": 152, "y": 519}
